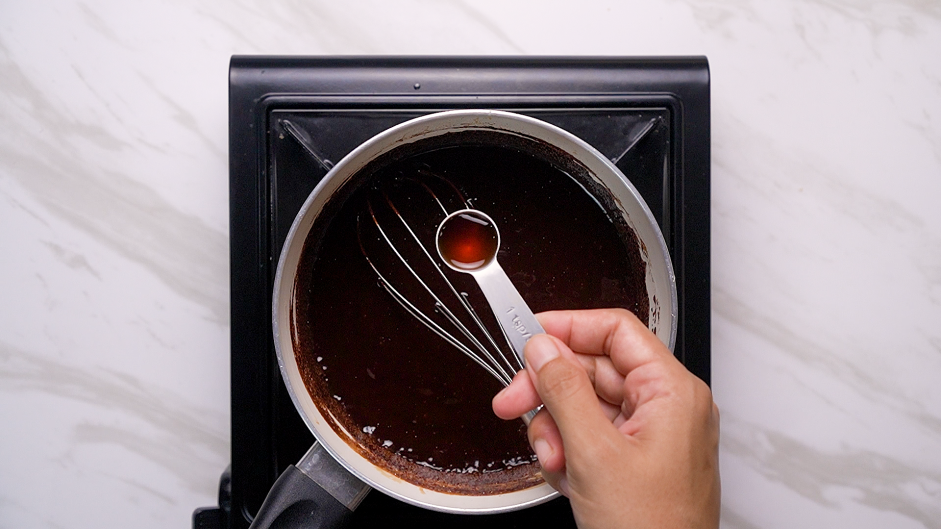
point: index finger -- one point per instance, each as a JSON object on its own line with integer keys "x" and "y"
{"x": 616, "y": 333}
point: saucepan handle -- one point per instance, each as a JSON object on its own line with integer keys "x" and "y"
{"x": 316, "y": 493}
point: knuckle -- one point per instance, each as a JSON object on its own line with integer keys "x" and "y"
{"x": 560, "y": 381}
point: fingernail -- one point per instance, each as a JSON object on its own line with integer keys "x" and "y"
{"x": 539, "y": 350}
{"x": 543, "y": 451}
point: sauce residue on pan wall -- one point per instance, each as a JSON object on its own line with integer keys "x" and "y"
{"x": 413, "y": 403}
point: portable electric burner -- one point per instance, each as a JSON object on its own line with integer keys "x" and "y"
{"x": 650, "y": 117}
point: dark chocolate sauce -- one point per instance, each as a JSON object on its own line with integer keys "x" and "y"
{"x": 412, "y": 403}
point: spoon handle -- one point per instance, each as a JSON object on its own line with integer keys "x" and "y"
{"x": 517, "y": 320}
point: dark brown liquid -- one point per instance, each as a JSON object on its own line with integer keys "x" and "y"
{"x": 412, "y": 403}
{"x": 468, "y": 241}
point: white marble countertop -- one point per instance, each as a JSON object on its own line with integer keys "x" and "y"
{"x": 826, "y": 239}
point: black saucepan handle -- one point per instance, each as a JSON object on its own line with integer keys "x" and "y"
{"x": 316, "y": 493}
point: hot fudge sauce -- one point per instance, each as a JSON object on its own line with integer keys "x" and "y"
{"x": 410, "y": 402}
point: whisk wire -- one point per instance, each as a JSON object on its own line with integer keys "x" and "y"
{"x": 439, "y": 304}
{"x": 494, "y": 361}
{"x": 427, "y": 321}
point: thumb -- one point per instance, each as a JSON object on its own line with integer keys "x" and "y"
{"x": 565, "y": 389}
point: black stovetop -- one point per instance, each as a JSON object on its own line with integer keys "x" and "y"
{"x": 648, "y": 115}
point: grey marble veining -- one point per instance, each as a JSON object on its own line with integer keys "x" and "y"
{"x": 883, "y": 483}
{"x": 181, "y": 425}
{"x": 74, "y": 167}
{"x": 826, "y": 237}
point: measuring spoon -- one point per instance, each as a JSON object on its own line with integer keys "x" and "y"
{"x": 467, "y": 241}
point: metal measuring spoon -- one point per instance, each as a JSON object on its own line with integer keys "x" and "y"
{"x": 467, "y": 241}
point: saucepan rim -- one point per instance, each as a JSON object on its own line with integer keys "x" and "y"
{"x": 661, "y": 279}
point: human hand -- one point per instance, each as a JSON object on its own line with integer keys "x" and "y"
{"x": 627, "y": 434}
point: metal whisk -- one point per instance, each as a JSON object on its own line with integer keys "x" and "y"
{"x": 396, "y": 236}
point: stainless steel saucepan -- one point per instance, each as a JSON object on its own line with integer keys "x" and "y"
{"x": 333, "y": 477}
